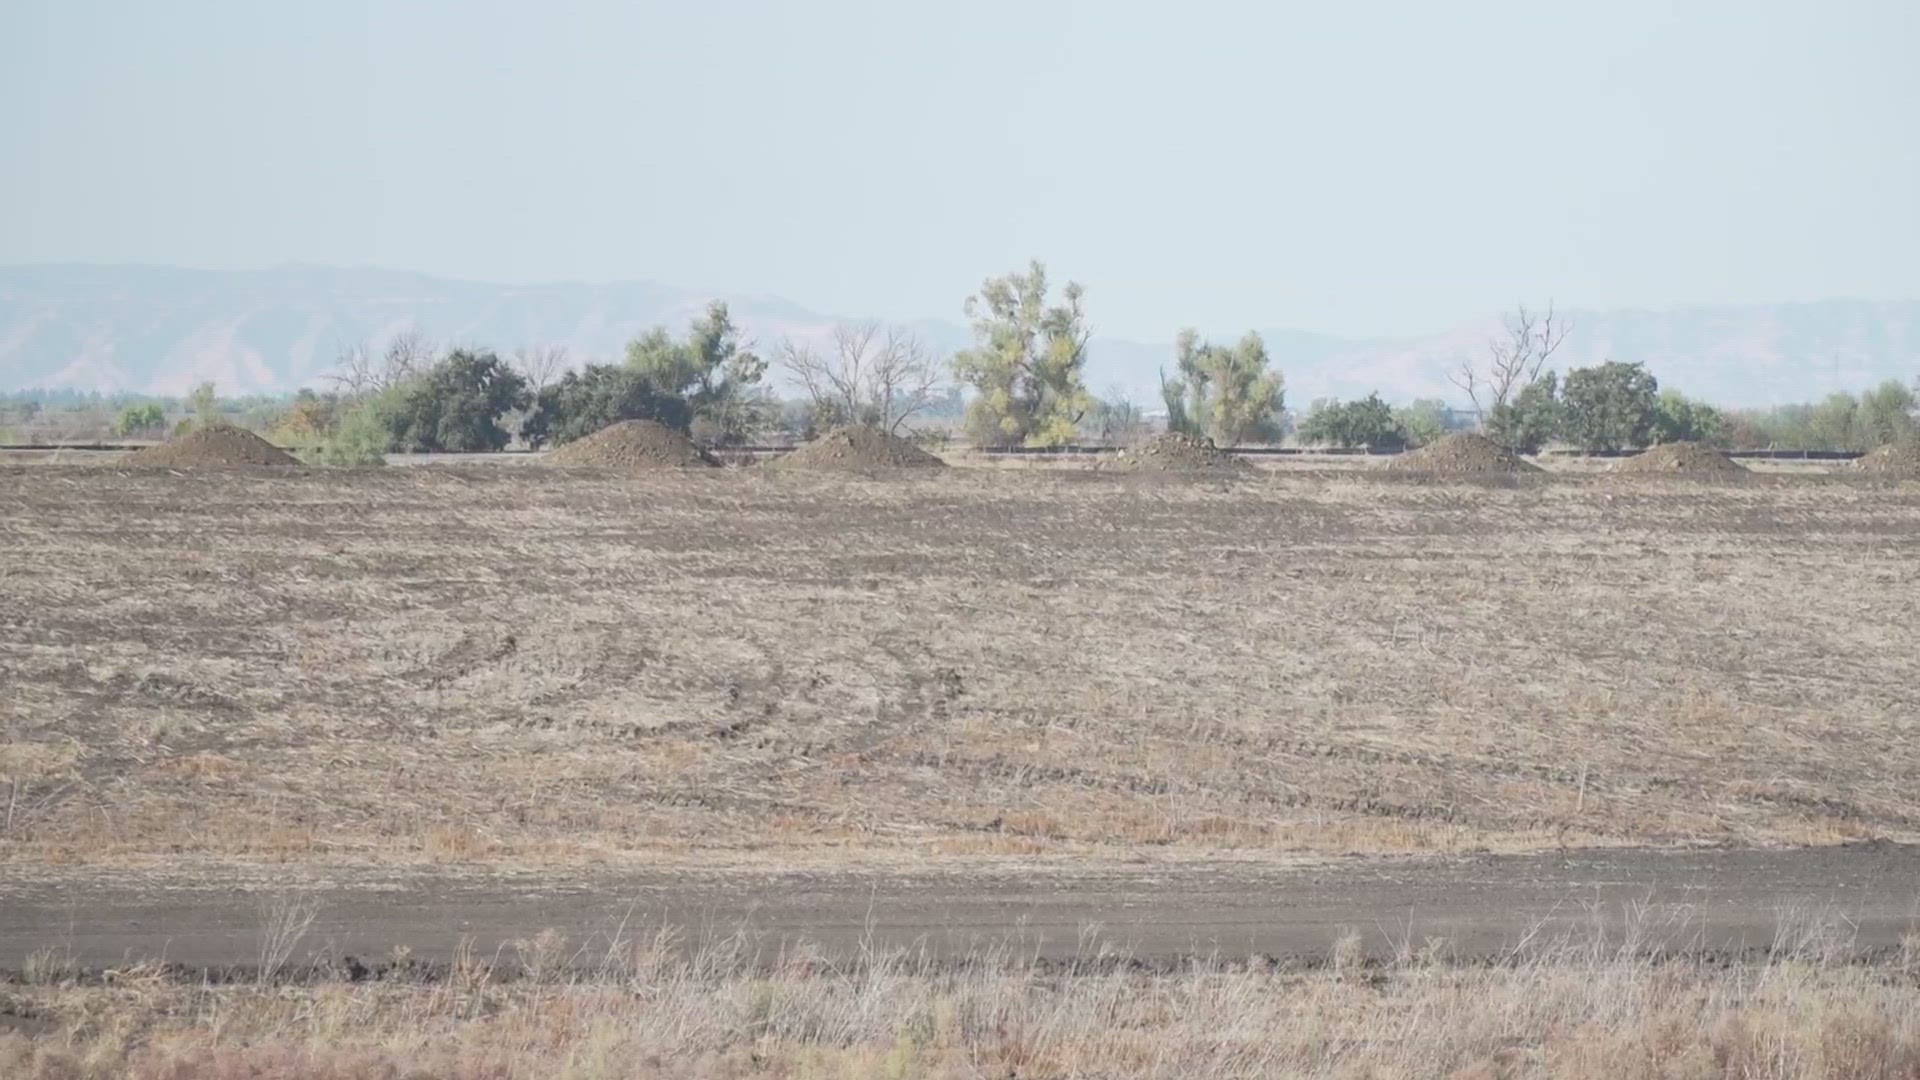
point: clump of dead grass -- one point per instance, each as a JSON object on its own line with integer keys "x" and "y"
{"x": 1622, "y": 1005}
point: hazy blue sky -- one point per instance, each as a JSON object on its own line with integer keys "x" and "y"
{"x": 1358, "y": 168}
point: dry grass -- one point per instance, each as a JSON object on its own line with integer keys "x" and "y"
{"x": 504, "y": 665}
{"x": 1583, "y": 1006}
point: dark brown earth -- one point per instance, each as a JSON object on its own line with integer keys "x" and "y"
{"x": 1175, "y": 453}
{"x": 1714, "y": 901}
{"x": 1681, "y": 458}
{"x": 858, "y": 448}
{"x": 633, "y": 444}
{"x": 214, "y": 446}
{"x": 1462, "y": 454}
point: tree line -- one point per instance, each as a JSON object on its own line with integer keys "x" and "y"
{"x": 1021, "y": 383}
{"x": 1524, "y": 405}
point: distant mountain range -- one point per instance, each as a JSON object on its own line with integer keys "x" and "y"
{"x": 162, "y": 330}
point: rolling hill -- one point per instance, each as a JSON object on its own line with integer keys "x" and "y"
{"x": 162, "y": 330}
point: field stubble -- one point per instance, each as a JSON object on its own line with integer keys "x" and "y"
{"x": 508, "y": 666}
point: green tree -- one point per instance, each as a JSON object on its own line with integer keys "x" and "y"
{"x": 1613, "y": 406}
{"x": 1368, "y": 422}
{"x": 1224, "y": 392}
{"x": 456, "y": 406}
{"x": 358, "y": 439}
{"x": 713, "y": 371}
{"x": 1531, "y": 419}
{"x": 1026, "y": 363}
{"x": 1678, "y": 419}
{"x": 140, "y": 420}
{"x": 308, "y": 420}
{"x": 582, "y": 402}
{"x": 1173, "y": 396}
{"x": 204, "y": 403}
{"x": 1834, "y": 424}
{"x": 1424, "y": 421}
{"x": 1887, "y": 414}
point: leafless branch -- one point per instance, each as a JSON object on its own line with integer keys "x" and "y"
{"x": 360, "y": 373}
{"x": 875, "y": 375}
{"x": 539, "y": 364}
{"x": 285, "y": 920}
{"x": 1515, "y": 360}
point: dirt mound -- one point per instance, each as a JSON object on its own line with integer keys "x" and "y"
{"x": 1175, "y": 453}
{"x": 1896, "y": 459}
{"x": 632, "y": 444}
{"x": 858, "y": 447}
{"x": 1461, "y": 454}
{"x": 1684, "y": 458}
{"x": 216, "y": 446}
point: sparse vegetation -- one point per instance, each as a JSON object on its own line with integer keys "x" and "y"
{"x": 144, "y": 419}
{"x": 356, "y": 438}
{"x": 1570, "y": 1007}
{"x": 1424, "y": 422}
{"x": 1115, "y": 421}
{"x": 1887, "y": 414}
{"x": 875, "y": 377}
{"x": 1516, "y": 359}
{"x": 204, "y": 404}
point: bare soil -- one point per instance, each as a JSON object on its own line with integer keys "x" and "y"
{"x": 1893, "y": 460}
{"x": 213, "y": 446}
{"x": 632, "y": 444}
{"x": 209, "y": 920}
{"x": 1461, "y": 454}
{"x": 858, "y": 448}
{"x": 1175, "y": 453}
{"x": 1682, "y": 459}
{"x": 525, "y": 667}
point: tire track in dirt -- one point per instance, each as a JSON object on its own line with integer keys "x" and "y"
{"x": 1720, "y": 902}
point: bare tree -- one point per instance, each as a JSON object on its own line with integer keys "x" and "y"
{"x": 1119, "y": 420}
{"x": 1514, "y": 361}
{"x": 539, "y": 364}
{"x": 361, "y": 373}
{"x": 876, "y": 375}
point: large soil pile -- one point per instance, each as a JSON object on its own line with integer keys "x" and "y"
{"x": 632, "y": 444}
{"x": 1461, "y": 454}
{"x": 1896, "y": 459}
{"x": 858, "y": 448}
{"x": 1681, "y": 458}
{"x": 216, "y": 446}
{"x": 1175, "y": 453}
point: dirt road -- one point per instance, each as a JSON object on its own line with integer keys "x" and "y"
{"x": 1722, "y": 901}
